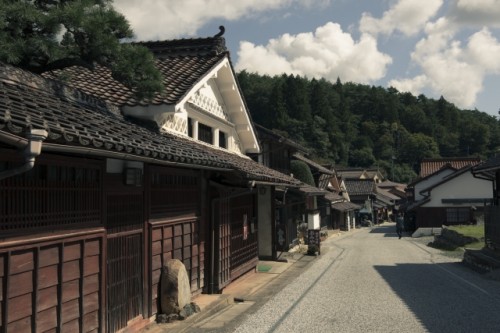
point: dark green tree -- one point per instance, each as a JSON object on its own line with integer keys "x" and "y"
{"x": 417, "y": 146}
{"x": 362, "y": 157}
{"x": 41, "y": 36}
{"x": 297, "y": 98}
{"x": 257, "y": 89}
{"x": 302, "y": 172}
{"x": 358, "y": 125}
{"x": 277, "y": 116}
{"x": 474, "y": 137}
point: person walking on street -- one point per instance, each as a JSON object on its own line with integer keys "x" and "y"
{"x": 399, "y": 225}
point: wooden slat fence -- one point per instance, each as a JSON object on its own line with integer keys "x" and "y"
{"x": 52, "y": 286}
{"x": 176, "y": 240}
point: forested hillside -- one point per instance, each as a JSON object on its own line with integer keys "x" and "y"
{"x": 358, "y": 125}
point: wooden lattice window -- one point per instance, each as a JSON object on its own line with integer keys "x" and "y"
{"x": 51, "y": 195}
{"x": 124, "y": 212}
{"x": 457, "y": 215}
{"x": 174, "y": 193}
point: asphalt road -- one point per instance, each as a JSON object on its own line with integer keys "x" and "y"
{"x": 371, "y": 281}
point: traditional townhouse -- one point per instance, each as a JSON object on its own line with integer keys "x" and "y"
{"x": 294, "y": 206}
{"x": 446, "y": 193}
{"x": 343, "y": 210}
{"x": 98, "y": 190}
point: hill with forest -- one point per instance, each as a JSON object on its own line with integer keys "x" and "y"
{"x": 356, "y": 125}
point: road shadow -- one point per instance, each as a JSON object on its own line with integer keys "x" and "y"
{"x": 440, "y": 299}
{"x": 389, "y": 230}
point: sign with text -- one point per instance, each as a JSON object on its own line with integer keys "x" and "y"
{"x": 313, "y": 238}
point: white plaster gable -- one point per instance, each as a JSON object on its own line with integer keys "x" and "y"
{"x": 214, "y": 101}
{"x": 345, "y": 193}
{"x": 429, "y": 181}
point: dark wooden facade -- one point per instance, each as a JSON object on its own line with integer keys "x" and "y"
{"x": 81, "y": 247}
{"x": 492, "y": 212}
{"x": 82, "y": 252}
{"x": 436, "y": 217}
{"x": 53, "y": 246}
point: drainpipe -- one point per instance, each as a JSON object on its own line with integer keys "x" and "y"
{"x": 32, "y": 150}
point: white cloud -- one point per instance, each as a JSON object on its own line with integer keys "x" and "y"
{"x": 406, "y": 16}
{"x": 267, "y": 61}
{"x": 484, "y": 50}
{"x": 167, "y": 19}
{"x": 476, "y": 12}
{"x": 327, "y": 53}
{"x": 451, "y": 68}
{"x": 414, "y": 85}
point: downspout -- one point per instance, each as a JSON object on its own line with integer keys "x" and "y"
{"x": 32, "y": 150}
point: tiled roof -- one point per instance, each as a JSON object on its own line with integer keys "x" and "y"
{"x": 387, "y": 194}
{"x": 360, "y": 186}
{"x": 489, "y": 167}
{"x": 390, "y": 184}
{"x": 429, "y": 166}
{"x": 265, "y": 132}
{"x": 350, "y": 173}
{"x": 372, "y": 173}
{"x": 182, "y": 62}
{"x": 395, "y": 189}
{"x": 345, "y": 206}
{"x": 309, "y": 190}
{"x": 333, "y": 196}
{"x": 447, "y": 168}
{"x": 75, "y": 119}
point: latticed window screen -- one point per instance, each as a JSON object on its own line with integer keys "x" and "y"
{"x": 51, "y": 195}
{"x": 457, "y": 215}
{"x": 174, "y": 193}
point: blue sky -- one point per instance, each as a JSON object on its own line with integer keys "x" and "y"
{"x": 435, "y": 47}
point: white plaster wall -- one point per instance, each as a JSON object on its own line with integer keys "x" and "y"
{"x": 429, "y": 182}
{"x": 464, "y": 186}
{"x": 313, "y": 221}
